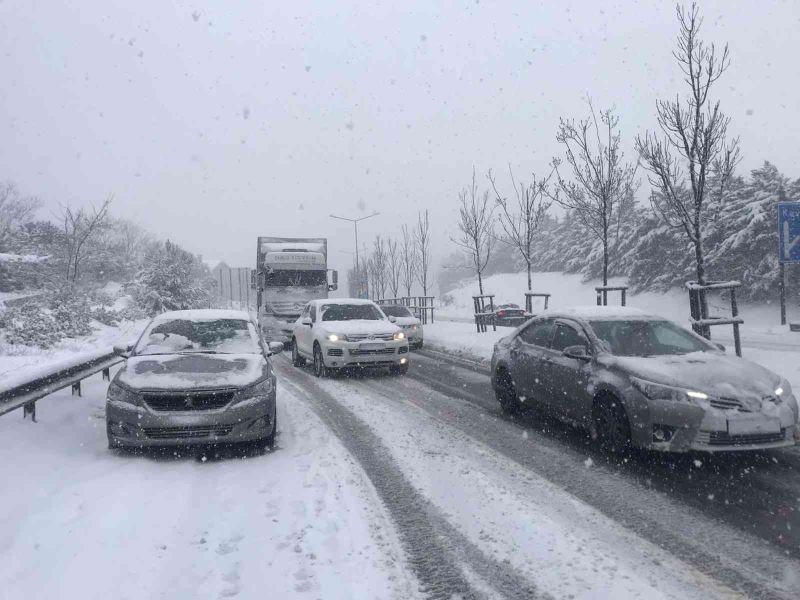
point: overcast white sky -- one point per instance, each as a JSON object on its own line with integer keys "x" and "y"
{"x": 214, "y": 122}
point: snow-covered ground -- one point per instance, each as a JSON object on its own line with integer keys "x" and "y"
{"x": 80, "y": 521}
{"x": 761, "y": 322}
{"x": 764, "y": 340}
{"x": 16, "y": 362}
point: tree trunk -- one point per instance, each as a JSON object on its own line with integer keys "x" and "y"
{"x": 480, "y": 283}
{"x": 528, "y": 264}
{"x": 701, "y": 275}
{"x": 605, "y": 257}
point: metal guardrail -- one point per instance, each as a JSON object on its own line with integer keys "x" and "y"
{"x": 24, "y": 395}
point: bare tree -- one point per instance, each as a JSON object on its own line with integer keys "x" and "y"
{"x": 379, "y": 268}
{"x": 15, "y": 211}
{"x": 394, "y": 264}
{"x": 476, "y": 224}
{"x": 521, "y": 220}
{"x": 422, "y": 242}
{"x": 692, "y": 153}
{"x": 602, "y": 180}
{"x": 408, "y": 259}
{"x": 79, "y": 226}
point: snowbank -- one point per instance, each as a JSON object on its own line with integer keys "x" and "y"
{"x": 761, "y": 321}
{"x": 22, "y": 258}
{"x": 28, "y": 362}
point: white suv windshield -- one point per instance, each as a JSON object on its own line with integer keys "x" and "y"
{"x": 351, "y": 312}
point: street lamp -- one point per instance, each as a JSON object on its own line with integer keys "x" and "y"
{"x": 355, "y": 228}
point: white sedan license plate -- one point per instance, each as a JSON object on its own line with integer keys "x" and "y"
{"x": 753, "y": 425}
{"x": 372, "y": 346}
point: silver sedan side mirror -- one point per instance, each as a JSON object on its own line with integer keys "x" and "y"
{"x": 275, "y": 347}
{"x": 577, "y": 352}
{"x": 123, "y": 350}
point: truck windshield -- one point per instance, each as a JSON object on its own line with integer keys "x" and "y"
{"x": 295, "y": 277}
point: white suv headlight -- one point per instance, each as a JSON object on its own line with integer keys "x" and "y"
{"x": 399, "y": 336}
{"x": 335, "y": 337}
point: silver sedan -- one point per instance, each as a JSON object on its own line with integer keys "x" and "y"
{"x": 201, "y": 376}
{"x": 639, "y": 380}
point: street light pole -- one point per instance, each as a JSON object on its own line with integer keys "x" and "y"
{"x": 355, "y": 228}
{"x": 355, "y": 231}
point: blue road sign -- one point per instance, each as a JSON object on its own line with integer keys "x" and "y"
{"x": 789, "y": 231}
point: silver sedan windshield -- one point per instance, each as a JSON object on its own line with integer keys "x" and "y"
{"x": 220, "y": 336}
{"x": 646, "y": 338}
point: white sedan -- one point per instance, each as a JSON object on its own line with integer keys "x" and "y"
{"x": 348, "y": 333}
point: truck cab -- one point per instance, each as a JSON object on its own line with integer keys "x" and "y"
{"x": 290, "y": 272}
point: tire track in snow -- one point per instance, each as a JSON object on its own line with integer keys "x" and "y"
{"x": 440, "y": 555}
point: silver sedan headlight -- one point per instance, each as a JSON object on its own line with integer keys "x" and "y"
{"x": 262, "y": 389}
{"x": 659, "y": 391}
{"x": 784, "y": 390}
{"x": 120, "y": 393}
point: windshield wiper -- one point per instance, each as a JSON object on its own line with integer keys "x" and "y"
{"x": 204, "y": 352}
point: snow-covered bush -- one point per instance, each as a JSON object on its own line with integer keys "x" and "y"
{"x": 170, "y": 279}
{"x": 70, "y": 309}
{"x": 106, "y": 316}
{"x": 29, "y": 325}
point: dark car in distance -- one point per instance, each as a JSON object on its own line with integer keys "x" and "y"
{"x": 510, "y": 315}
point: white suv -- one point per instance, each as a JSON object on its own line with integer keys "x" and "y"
{"x": 347, "y": 333}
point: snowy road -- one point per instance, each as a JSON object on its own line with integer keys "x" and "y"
{"x": 80, "y": 521}
{"x": 505, "y": 482}
{"x": 387, "y": 487}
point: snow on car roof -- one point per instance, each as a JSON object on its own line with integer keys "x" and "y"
{"x": 204, "y": 314}
{"x": 594, "y": 313}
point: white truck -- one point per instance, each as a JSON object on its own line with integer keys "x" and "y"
{"x": 289, "y": 273}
